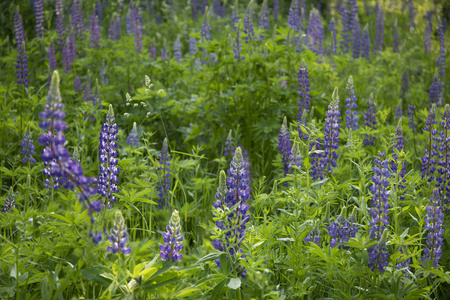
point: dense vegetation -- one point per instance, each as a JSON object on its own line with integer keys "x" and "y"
{"x": 224, "y": 149}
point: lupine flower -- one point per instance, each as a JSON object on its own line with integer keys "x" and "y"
{"x": 72, "y": 47}
{"x": 114, "y": 28}
{"x": 173, "y": 240}
{"x": 356, "y": 37}
{"x": 129, "y": 21}
{"x": 51, "y": 58}
{"x": 248, "y": 22}
{"x": 235, "y": 15}
{"x": 435, "y": 90}
{"x": 351, "y": 113}
{"x": 304, "y": 94}
{"x": 295, "y": 158}
{"x": 194, "y": 9}
{"x": 19, "y": 32}
{"x": 365, "y": 43}
{"x": 395, "y": 43}
{"x": 205, "y": 28}
{"x": 133, "y": 138}
{"x": 77, "y": 19}
{"x": 313, "y": 236}
{"x": 119, "y": 236}
{"x": 237, "y": 45}
{"x": 353, "y": 13}
{"x": 411, "y": 14}
{"x": 56, "y": 156}
{"x": 379, "y": 36}
{"x": 107, "y": 179}
{"x": 405, "y": 84}
{"x": 427, "y": 36}
{"x": 263, "y": 22}
{"x": 370, "y": 120}
{"x": 443, "y": 177}
{"x": 152, "y": 51}
{"x": 341, "y": 230}
{"x": 94, "y": 29}
{"x": 429, "y": 158}
{"x": 192, "y": 45}
{"x": 138, "y": 30}
{"x": 294, "y": 16}
{"x": 164, "y": 178}
{"x": 164, "y": 54}
{"x": 404, "y": 264}
{"x": 229, "y": 148}
{"x": 59, "y": 23}
{"x": 398, "y": 144}
{"x": 380, "y": 205}
{"x": 331, "y": 140}
{"x": 39, "y": 15}
{"x": 177, "y": 50}
{"x": 398, "y": 111}
{"x": 77, "y": 84}
{"x": 411, "y": 111}
{"x": 378, "y": 254}
{"x": 345, "y": 33}
{"x": 441, "y": 58}
{"x": 28, "y": 147}
{"x": 332, "y": 28}
{"x": 102, "y": 73}
{"x": 284, "y": 145}
{"x": 22, "y": 66}
{"x": 9, "y": 201}
{"x": 276, "y": 9}
{"x": 434, "y": 224}
{"x": 67, "y": 58}
{"x": 203, "y": 6}
{"x": 315, "y": 32}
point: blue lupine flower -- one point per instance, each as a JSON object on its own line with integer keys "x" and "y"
{"x": 411, "y": 14}
{"x": 331, "y": 140}
{"x": 9, "y": 201}
{"x": 77, "y": 84}
{"x": 138, "y": 30}
{"x": 119, "y": 236}
{"x": 19, "y": 32}
{"x": 194, "y": 9}
{"x": 77, "y": 19}
{"x": 164, "y": 178}
{"x": 351, "y": 113}
{"x": 405, "y": 84}
{"x": 332, "y": 28}
{"x": 304, "y": 94}
{"x": 263, "y": 22}
{"x": 411, "y": 122}
{"x": 235, "y": 15}
{"x": 313, "y": 236}
{"x": 378, "y": 255}
{"x": 152, "y": 51}
{"x": 59, "y": 23}
{"x": 173, "y": 240}
{"x": 177, "y": 50}
{"x": 28, "y": 147}
{"x": 443, "y": 170}
{"x": 129, "y": 21}
{"x": 22, "y": 66}
{"x": 113, "y": 33}
{"x": 237, "y": 45}
{"x": 356, "y": 37}
{"x": 395, "y": 42}
{"x": 316, "y": 159}
{"x": 284, "y": 145}
{"x": 276, "y": 9}
{"x": 107, "y": 179}
{"x": 94, "y": 29}
{"x": 379, "y": 36}
{"x": 133, "y": 137}
{"x": 294, "y": 16}
{"x": 229, "y": 148}
{"x": 429, "y": 158}
{"x": 315, "y": 32}
{"x": 370, "y": 120}
{"x": 434, "y": 224}
{"x": 398, "y": 111}
{"x": 398, "y": 144}
{"x": 192, "y": 45}
{"x": 435, "y": 90}
{"x": 365, "y": 43}
{"x": 341, "y": 230}
{"x": 205, "y": 29}
{"x": 248, "y": 23}
{"x": 404, "y": 264}
{"x": 345, "y": 33}
{"x": 39, "y": 15}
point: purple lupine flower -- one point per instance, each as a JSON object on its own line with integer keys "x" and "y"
{"x": 356, "y": 37}
{"x": 77, "y": 19}
{"x": 313, "y": 236}
{"x": 411, "y": 111}
{"x": 59, "y": 23}
{"x": 133, "y": 137}
{"x": 316, "y": 167}
{"x": 427, "y": 33}
{"x": 276, "y": 9}
{"x": 237, "y": 45}
{"x": 370, "y": 121}
{"x": 164, "y": 178}
{"x": 263, "y": 22}
{"x": 229, "y": 148}
{"x": 152, "y": 51}
{"x": 205, "y": 28}
{"x": 239, "y": 179}
{"x": 39, "y": 15}
{"x": 97, "y": 101}
{"x": 395, "y": 42}
{"x": 365, "y": 43}
{"x": 203, "y": 6}
{"x": 88, "y": 95}
{"x": 435, "y": 90}
{"x": 67, "y": 58}
{"x": 164, "y": 54}
{"x": 434, "y": 224}
{"x": 77, "y": 84}
{"x": 345, "y": 33}
{"x": 294, "y": 16}
{"x": 99, "y": 11}
{"x": 173, "y": 240}
{"x": 405, "y": 84}
{"x": 28, "y": 147}
{"x": 102, "y": 73}
{"x": 51, "y": 58}
{"x": 295, "y": 158}
{"x": 411, "y": 14}
{"x": 443, "y": 170}
{"x": 248, "y": 23}
{"x": 284, "y": 145}
{"x": 56, "y": 156}
{"x": 129, "y": 21}
{"x": 94, "y": 29}
{"x": 192, "y": 45}
{"x": 22, "y": 66}
{"x": 194, "y": 9}
{"x": 315, "y": 32}
{"x": 107, "y": 178}
{"x": 379, "y": 36}
{"x": 235, "y": 16}
{"x": 341, "y": 230}
{"x": 331, "y": 140}
{"x": 429, "y": 158}
{"x": 112, "y": 29}
{"x": 402, "y": 263}
{"x": 138, "y": 30}
{"x": 398, "y": 111}
{"x": 177, "y": 50}
{"x": 119, "y": 236}
{"x": 19, "y": 32}
{"x": 332, "y": 28}
{"x": 351, "y": 105}
{"x": 352, "y": 14}
{"x": 379, "y": 213}
{"x": 399, "y": 145}
{"x": 304, "y": 94}
{"x": 440, "y": 63}
{"x": 10, "y": 201}
{"x": 118, "y": 27}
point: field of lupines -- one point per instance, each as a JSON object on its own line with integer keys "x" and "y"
{"x": 207, "y": 149}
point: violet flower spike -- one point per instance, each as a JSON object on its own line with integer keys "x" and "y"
{"x": 356, "y": 37}
{"x": 365, "y": 43}
{"x": 284, "y": 145}
{"x": 59, "y": 23}
{"x": 411, "y": 122}
{"x": 304, "y": 95}
{"x": 173, "y": 240}
{"x": 332, "y": 29}
{"x": 119, "y": 236}
{"x": 351, "y": 105}
{"x": 429, "y": 159}
{"x": 443, "y": 169}
{"x": 94, "y": 29}
{"x": 379, "y": 36}
{"x": 331, "y": 140}
{"x": 133, "y": 137}
{"x": 248, "y": 23}
{"x": 434, "y": 221}
{"x": 39, "y": 15}
{"x": 28, "y": 147}
{"x": 9, "y": 201}
{"x": 370, "y": 121}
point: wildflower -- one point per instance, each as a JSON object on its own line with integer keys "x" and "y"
{"x": 237, "y": 44}
{"x": 51, "y": 59}
{"x": 77, "y": 84}
{"x": 395, "y": 42}
{"x": 39, "y": 15}
{"x": 133, "y": 138}
{"x": 365, "y": 43}
{"x": 59, "y": 23}
{"x": 398, "y": 111}
{"x": 332, "y": 28}
{"x": 192, "y": 45}
{"x": 177, "y": 50}
{"x": 107, "y": 179}
{"x": 427, "y": 34}
{"x": 351, "y": 113}
{"x": 205, "y": 28}
{"x": 411, "y": 111}
{"x": 379, "y": 36}
{"x": 435, "y": 90}
{"x": 19, "y": 32}
{"x": 28, "y": 147}
{"x": 22, "y": 66}
{"x": 164, "y": 54}
{"x": 77, "y": 19}
{"x": 303, "y": 92}
{"x": 315, "y": 32}
{"x": 138, "y": 30}
{"x": 331, "y": 141}
{"x": 119, "y": 236}
{"x": 411, "y": 14}
{"x": 294, "y": 16}
{"x": 313, "y": 236}
{"x": 341, "y": 230}
{"x": 378, "y": 254}
{"x": 94, "y": 28}
{"x": 434, "y": 224}
{"x": 113, "y": 34}
{"x": 276, "y": 9}
{"x": 173, "y": 240}
{"x": 295, "y": 159}
{"x": 370, "y": 120}
{"x": 345, "y": 33}
{"x": 402, "y": 263}
{"x": 443, "y": 169}
{"x": 152, "y": 51}
{"x": 263, "y": 22}
{"x": 429, "y": 158}
{"x": 9, "y": 201}
{"x": 248, "y": 22}
{"x": 164, "y": 178}
{"x": 194, "y": 9}
{"x": 284, "y": 145}
{"x": 356, "y": 37}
